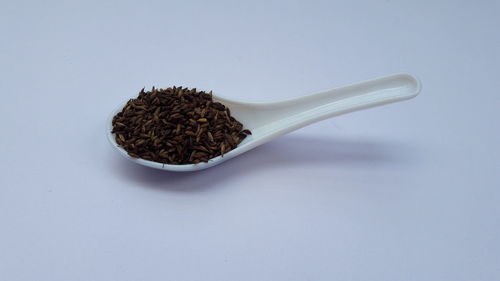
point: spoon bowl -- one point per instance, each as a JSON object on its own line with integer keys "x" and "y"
{"x": 269, "y": 120}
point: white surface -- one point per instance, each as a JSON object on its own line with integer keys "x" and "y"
{"x": 408, "y": 191}
{"x": 270, "y": 120}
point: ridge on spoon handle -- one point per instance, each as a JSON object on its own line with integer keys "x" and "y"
{"x": 285, "y": 116}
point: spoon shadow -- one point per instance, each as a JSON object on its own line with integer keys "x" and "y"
{"x": 292, "y": 150}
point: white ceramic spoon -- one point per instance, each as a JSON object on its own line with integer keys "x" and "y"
{"x": 269, "y": 120}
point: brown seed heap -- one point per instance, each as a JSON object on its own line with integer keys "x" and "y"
{"x": 176, "y": 126}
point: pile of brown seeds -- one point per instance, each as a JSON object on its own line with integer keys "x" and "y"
{"x": 176, "y": 126}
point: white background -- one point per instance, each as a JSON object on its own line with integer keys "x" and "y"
{"x": 408, "y": 191}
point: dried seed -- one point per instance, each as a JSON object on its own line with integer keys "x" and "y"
{"x": 202, "y": 148}
{"x": 163, "y": 154}
{"x": 229, "y": 139}
{"x": 191, "y": 157}
{"x": 222, "y": 147}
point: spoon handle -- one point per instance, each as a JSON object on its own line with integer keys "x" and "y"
{"x": 282, "y": 117}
